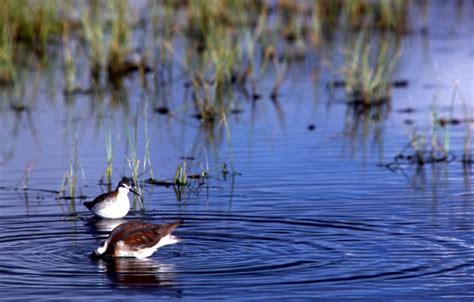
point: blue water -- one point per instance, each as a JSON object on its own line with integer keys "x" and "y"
{"x": 306, "y": 215}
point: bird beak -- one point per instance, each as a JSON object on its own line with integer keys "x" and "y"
{"x": 134, "y": 192}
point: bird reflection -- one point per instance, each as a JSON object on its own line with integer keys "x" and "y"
{"x": 99, "y": 225}
{"x": 131, "y": 272}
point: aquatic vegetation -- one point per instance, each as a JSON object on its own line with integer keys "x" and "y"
{"x": 384, "y": 15}
{"x": 368, "y": 71}
{"x": 69, "y": 64}
{"x": 181, "y": 175}
{"x": 24, "y": 182}
{"x": 119, "y": 42}
{"x": 218, "y": 55}
{"x": 7, "y": 65}
{"x": 70, "y": 177}
{"x": 109, "y": 153}
{"x": 94, "y": 31}
{"x": 147, "y": 165}
{"x": 132, "y": 156}
{"x": 31, "y": 22}
{"x": 432, "y": 146}
{"x": 132, "y": 159}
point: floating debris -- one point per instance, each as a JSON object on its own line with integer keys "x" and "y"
{"x": 162, "y": 110}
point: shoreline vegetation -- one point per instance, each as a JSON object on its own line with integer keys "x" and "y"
{"x": 221, "y": 50}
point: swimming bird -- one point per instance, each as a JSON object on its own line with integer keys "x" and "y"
{"x": 137, "y": 239}
{"x": 114, "y": 204}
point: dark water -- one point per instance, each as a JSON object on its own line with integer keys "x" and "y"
{"x": 310, "y": 214}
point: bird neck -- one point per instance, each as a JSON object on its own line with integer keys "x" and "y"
{"x": 122, "y": 190}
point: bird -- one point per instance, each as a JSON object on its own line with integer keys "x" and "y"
{"x": 114, "y": 204}
{"x": 137, "y": 239}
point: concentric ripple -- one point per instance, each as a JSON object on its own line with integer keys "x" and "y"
{"x": 227, "y": 252}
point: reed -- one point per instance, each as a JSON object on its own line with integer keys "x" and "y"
{"x": 383, "y": 15}
{"x": 7, "y": 64}
{"x": 368, "y": 71}
{"x": 109, "y": 153}
{"x": 439, "y": 136}
{"x": 214, "y": 35}
{"x": 31, "y": 22}
{"x": 93, "y": 29}
{"x": 181, "y": 175}
{"x": 147, "y": 165}
{"x": 70, "y": 176}
{"x": 132, "y": 156}
{"x": 68, "y": 64}
{"x": 119, "y": 49}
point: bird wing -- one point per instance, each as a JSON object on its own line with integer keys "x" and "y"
{"x": 137, "y": 235}
{"x": 98, "y": 199}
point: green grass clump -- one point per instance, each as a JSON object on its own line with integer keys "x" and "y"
{"x": 7, "y": 65}
{"x": 181, "y": 175}
{"x": 32, "y": 22}
{"x": 215, "y": 29}
{"x": 368, "y": 72}
{"x": 119, "y": 42}
{"x": 383, "y": 15}
{"x": 93, "y": 27}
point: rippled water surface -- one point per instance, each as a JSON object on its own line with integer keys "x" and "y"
{"x": 308, "y": 214}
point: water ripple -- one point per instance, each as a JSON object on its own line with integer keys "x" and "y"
{"x": 221, "y": 248}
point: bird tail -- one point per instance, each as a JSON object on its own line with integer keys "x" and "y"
{"x": 168, "y": 228}
{"x": 88, "y": 204}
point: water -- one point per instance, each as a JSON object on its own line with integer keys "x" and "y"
{"x": 310, "y": 214}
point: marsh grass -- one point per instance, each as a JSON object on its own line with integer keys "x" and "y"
{"x": 70, "y": 178}
{"x": 120, "y": 38}
{"x": 94, "y": 30}
{"x": 109, "y": 154}
{"x": 147, "y": 165}
{"x": 7, "y": 64}
{"x": 31, "y": 22}
{"x": 383, "y": 15}
{"x": 132, "y": 157}
{"x": 181, "y": 174}
{"x": 433, "y": 145}
{"x": 368, "y": 71}
{"x": 68, "y": 64}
